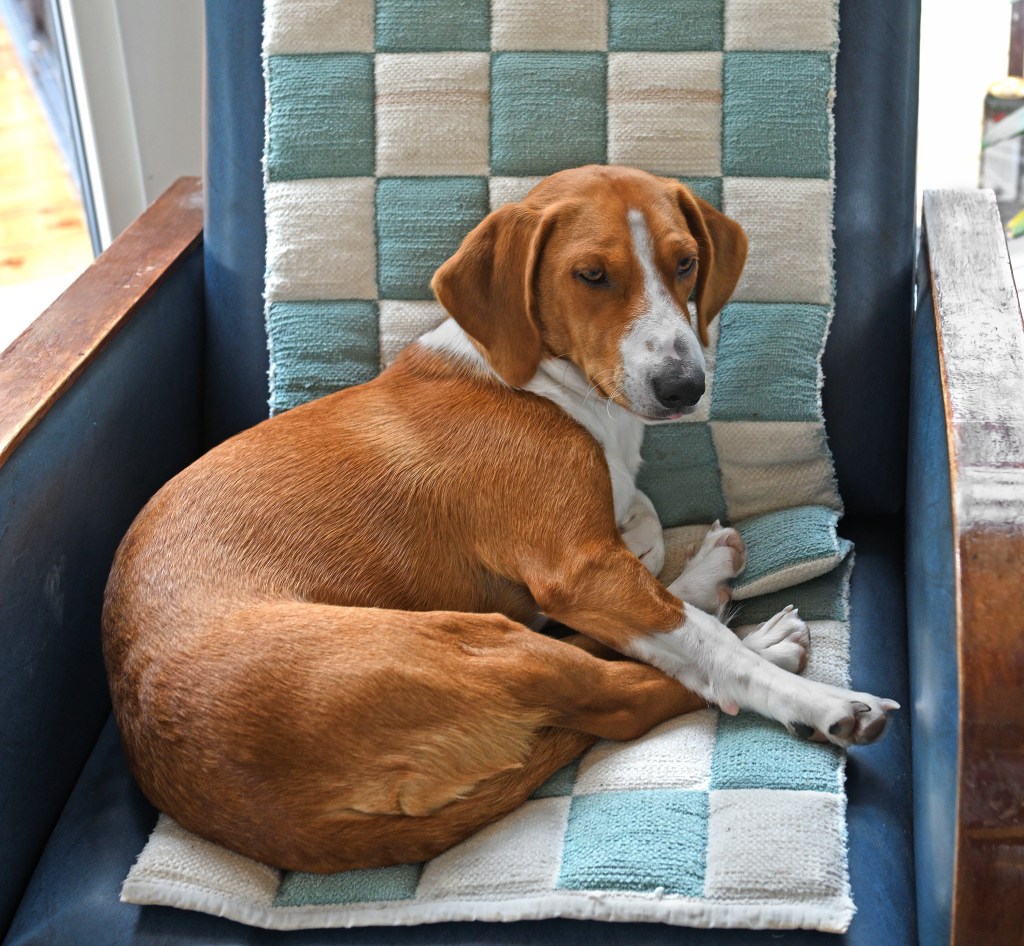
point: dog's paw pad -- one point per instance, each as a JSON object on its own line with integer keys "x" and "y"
{"x": 804, "y": 731}
{"x": 860, "y": 721}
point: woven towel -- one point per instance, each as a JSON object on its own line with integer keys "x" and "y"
{"x": 392, "y": 129}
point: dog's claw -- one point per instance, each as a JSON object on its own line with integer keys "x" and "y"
{"x": 862, "y": 723}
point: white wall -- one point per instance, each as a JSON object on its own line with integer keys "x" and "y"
{"x": 163, "y": 45}
{"x": 964, "y": 49}
{"x": 137, "y": 68}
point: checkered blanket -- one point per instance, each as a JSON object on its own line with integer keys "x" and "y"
{"x": 392, "y": 129}
{"x": 708, "y": 820}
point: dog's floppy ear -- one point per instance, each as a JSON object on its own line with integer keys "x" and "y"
{"x": 488, "y": 288}
{"x": 723, "y": 251}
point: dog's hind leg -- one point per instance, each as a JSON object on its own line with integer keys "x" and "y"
{"x": 616, "y": 698}
{"x": 585, "y": 697}
{"x": 317, "y": 737}
{"x": 356, "y": 841}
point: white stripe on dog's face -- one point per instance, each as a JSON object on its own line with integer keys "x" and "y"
{"x": 660, "y": 344}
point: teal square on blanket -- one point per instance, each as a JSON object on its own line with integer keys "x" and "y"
{"x": 767, "y": 362}
{"x": 428, "y": 26}
{"x": 680, "y": 473}
{"x": 420, "y": 223}
{"x": 353, "y": 886}
{"x": 820, "y": 599}
{"x": 549, "y": 111}
{"x": 320, "y": 121}
{"x": 637, "y": 840}
{"x": 788, "y": 547}
{"x": 667, "y": 26}
{"x": 706, "y": 188}
{"x": 751, "y": 752}
{"x": 776, "y": 114}
{"x": 320, "y": 347}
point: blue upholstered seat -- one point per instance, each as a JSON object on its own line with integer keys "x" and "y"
{"x": 71, "y": 895}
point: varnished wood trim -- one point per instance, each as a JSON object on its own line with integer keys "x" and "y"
{"x": 44, "y": 361}
{"x": 981, "y": 356}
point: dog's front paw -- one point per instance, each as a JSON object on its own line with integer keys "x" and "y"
{"x": 704, "y": 582}
{"x": 844, "y": 718}
{"x": 641, "y": 531}
{"x": 783, "y": 640}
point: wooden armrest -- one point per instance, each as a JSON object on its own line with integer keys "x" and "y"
{"x": 44, "y": 361}
{"x": 981, "y": 359}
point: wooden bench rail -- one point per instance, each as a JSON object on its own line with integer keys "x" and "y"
{"x": 44, "y": 361}
{"x": 981, "y": 357}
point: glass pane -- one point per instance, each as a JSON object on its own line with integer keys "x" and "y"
{"x": 45, "y": 239}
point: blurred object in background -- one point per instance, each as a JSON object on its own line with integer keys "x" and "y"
{"x": 1001, "y": 166}
{"x": 1002, "y": 139}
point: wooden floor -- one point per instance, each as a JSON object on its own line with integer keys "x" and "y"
{"x": 43, "y": 232}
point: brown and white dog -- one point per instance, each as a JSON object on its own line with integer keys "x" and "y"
{"x": 318, "y": 635}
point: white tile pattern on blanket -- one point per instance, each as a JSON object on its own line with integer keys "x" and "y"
{"x": 789, "y": 223}
{"x": 549, "y": 24}
{"x": 784, "y": 821}
{"x": 322, "y": 26}
{"x": 433, "y": 111}
{"x": 665, "y": 112}
{"x": 676, "y": 754}
{"x": 517, "y": 849}
{"x": 308, "y": 247}
{"x": 793, "y": 25}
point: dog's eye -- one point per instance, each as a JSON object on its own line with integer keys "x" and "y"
{"x": 686, "y": 265}
{"x": 594, "y": 276}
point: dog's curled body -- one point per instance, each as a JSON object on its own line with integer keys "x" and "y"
{"x": 317, "y": 636}
{"x": 297, "y": 671}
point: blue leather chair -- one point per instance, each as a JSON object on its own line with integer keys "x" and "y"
{"x": 158, "y": 352}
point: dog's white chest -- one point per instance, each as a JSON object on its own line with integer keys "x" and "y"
{"x": 619, "y": 432}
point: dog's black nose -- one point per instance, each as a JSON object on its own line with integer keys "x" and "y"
{"x": 676, "y": 391}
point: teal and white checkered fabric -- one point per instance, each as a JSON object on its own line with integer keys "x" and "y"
{"x": 392, "y": 129}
